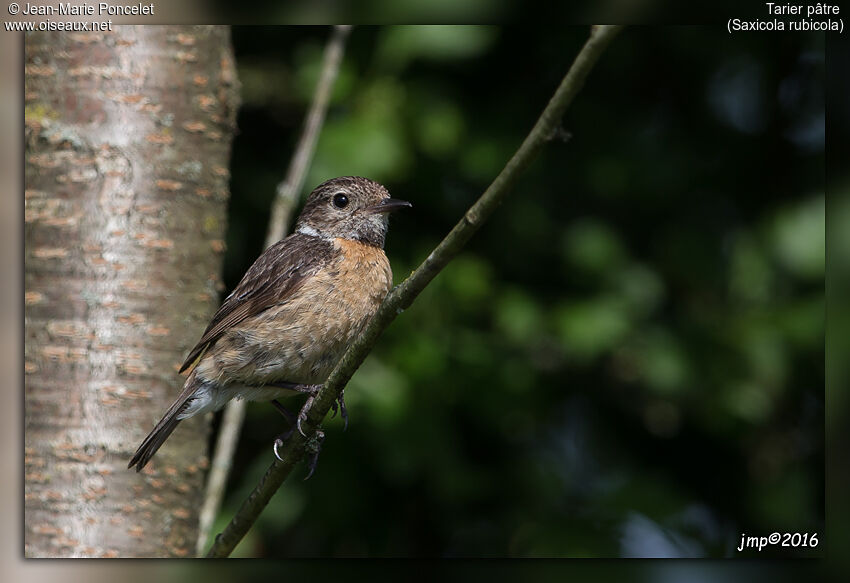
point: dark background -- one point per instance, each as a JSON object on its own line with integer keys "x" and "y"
{"x": 627, "y": 360}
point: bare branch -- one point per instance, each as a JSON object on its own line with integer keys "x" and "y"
{"x": 225, "y": 446}
{"x": 289, "y": 189}
{"x": 284, "y": 203}
{"x": 402, "y": 296}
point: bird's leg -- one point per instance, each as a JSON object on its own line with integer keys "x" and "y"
{"x": 297, "y": 387}
{"x": 313, "y": 447}
{"x": 302, "y": 414}
{"x": 343, "y": 412}
{"x": 311, "y": 391}
{"x": 287, "y": 414}
{"x": 290, "y": 418}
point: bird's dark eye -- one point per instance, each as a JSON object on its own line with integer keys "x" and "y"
{"x": 340, "y": 200}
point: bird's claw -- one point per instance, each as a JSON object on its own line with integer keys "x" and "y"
{"x": 313, "y": 447}
{"x": 314, "y": 444}
{"x": 339, "y": 405}
{"x": 302, "y": 414}
{"x": 277, "y": 443}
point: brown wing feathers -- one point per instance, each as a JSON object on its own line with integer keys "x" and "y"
{"x": 275, "y": 275}
{"x": 273, "y": 278}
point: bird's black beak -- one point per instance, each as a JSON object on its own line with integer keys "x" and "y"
{"x": 389, "y": 205}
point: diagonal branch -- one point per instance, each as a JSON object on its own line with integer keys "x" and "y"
{"x": 403, "y": 295}
{"x": 286, "y": 199}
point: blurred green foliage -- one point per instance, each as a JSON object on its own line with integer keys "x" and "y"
{"x": 627, "y": 360}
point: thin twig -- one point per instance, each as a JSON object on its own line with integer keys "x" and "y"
{"x": 403, "y": 295}
{"x": 288, "y": 190}
{"x": 225, "y": 446}
{"x": 284, "y": 203}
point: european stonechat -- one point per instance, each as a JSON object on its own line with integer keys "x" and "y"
{"x": 288, "y": 322}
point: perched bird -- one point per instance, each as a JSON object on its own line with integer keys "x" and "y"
{"x": 288, "y": 322}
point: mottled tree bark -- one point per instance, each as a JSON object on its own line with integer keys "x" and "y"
{"x": 128, "y": 137}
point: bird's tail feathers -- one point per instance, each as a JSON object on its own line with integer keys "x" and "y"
{"x": 165, "y": 427}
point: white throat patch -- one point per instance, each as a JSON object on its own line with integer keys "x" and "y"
{"x": 310, "y": 231}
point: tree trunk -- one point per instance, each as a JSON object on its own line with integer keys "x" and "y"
{"x": 128, "y": 138}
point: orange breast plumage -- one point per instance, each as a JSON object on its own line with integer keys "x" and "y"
{"x": 301, "y": 339}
